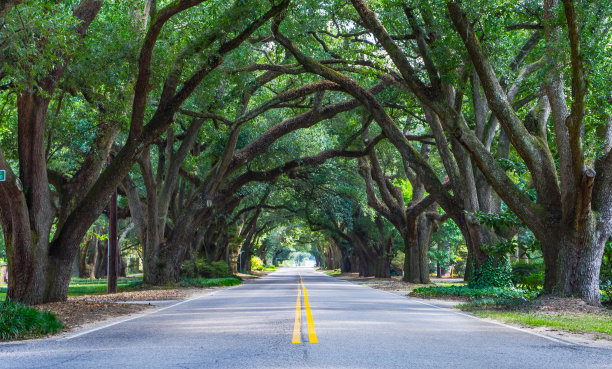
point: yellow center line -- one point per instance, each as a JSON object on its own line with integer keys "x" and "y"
{"x": 312, "y": 335}
{"x": 297, "y": 325}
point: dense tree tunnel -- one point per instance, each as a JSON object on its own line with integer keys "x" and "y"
{"x": 386, "y": 139}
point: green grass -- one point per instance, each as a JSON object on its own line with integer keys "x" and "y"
{"x": 79, "y": 289}
{"x": 451, "y": 284}
{"x": 594, "y": 323}
{"x": 80, "y": 286}
{"x": 474, "y": 293}
{"x": 210, "y": 282}
{"x": 18, "y": 321}
{"x": 333, "y": 272}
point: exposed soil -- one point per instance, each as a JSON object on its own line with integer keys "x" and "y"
{"x": 76, "y": 313}
{"x": 80, "y": 310}
{"x": 552, "y": 304}
{"x": 140, "y": 295}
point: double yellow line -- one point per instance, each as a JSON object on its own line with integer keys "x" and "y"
{"x": 297, "y": 325}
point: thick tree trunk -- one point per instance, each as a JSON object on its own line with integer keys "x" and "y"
{"x": 88, "y": 257}
{"x": 345, "y": 260}
{"x": 416, "y": 250}
{"x": 101, "y": 260}
{"x": 169, "y": 264}
{"x": 573, "y": 262}
{"x": 383, "y": 262}
{"x": 28, "y": 223}
{"x": 424, "y": 230}
{"x": 27, "y": 266}
{"x": 412, "y": 273}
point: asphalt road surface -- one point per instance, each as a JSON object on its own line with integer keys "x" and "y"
{"x": 298, "y": 318}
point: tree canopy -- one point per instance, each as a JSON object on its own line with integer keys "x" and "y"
{"x": 363, "y": 133}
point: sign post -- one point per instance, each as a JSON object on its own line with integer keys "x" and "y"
{"x": 2, "y": 175}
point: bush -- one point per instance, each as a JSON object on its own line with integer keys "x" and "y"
{"x": 605, "y": 275}
{"x": 474, "y": 293}
{"x": 256, "y": 263}
{"x": 189, "y": 269}
{"x": 528, "y": 276}
{"x": 205, "y": 270}
{"x": 492, "y": 274}
{"x": 200, "y": 268}
{"x": 20, "y": 321}
{"x": 221, "y": 269}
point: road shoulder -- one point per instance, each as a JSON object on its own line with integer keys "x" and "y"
{"x": 402, "y": 289}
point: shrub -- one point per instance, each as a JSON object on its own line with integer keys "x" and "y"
{"x": 189, "y": 269}
{"x": 492, "y": 274}
{"x": 605, "y": 275}
{"x": 200, "y": 268}
{"x": 20, "y": 321}
{"x": 256, "y": 263}
{"x": 205, "y": 270}
{"x": 474, "y": 293}
{"x": 528, "y": 276}
{"x": 221, "y": 269}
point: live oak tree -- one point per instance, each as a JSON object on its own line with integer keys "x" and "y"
{"x": 574, "y": 200}
{"x": 572, "y": 216}
{"x": 220, "y": 121}
{"x": 40, "y": 261}
{"x": 212, "y": 191}
{"x": 452, "y": 205}
{"x": 415, "y": 218}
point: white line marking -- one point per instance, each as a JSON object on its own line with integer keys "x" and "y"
{"x": 492, "y": 322}
{"x": 128, "y": 319}
{"x": 464, "y": 314}
{"x": 145, "y": 314}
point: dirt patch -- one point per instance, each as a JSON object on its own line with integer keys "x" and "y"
{"x": 80, "y": 310}
{"x": 141, "y": 295}
{"x": 76, "y": 313}
{"x": 552, "y": 304}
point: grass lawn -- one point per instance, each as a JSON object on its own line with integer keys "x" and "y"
{"x": 80, "y": 286}
{"x": 210, "y": 282}
{"x": 333, "y": 272}
{"x": 98, "y": 286}
{"x": 574, "y": 322}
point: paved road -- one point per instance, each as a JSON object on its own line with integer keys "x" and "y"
{"x": 253, "y": 326}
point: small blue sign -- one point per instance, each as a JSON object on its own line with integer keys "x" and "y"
{"x": 2, "y": 175}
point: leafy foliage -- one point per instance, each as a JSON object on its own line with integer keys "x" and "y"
{"x": 605, "y": 276}
{"x": 257, "y": 263}
{"x": 200, "y": 268}
{"x": 473, "y": 293}
{"x": 529, "y": 276}
{"x": 21, "y": 321}
{"x": 496, "y": 274}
